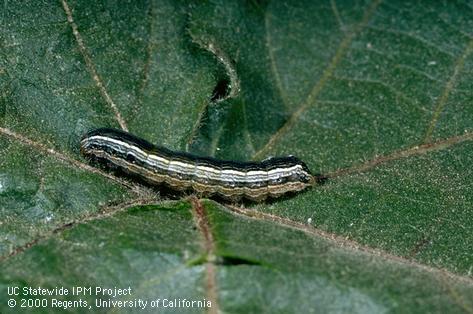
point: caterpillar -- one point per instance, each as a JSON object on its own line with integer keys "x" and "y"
{"x": 182, "y": 171}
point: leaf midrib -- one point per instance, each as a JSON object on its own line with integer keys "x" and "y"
{"x": 247, "y": 213}
{"x": 312, "y": 96}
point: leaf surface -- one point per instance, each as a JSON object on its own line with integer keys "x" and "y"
{"x": 375, "y": 96}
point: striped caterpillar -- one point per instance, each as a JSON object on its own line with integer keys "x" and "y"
{"x": 181, "y": 171}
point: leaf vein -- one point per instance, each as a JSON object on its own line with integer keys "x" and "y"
{"x": 147, "y": 64}
{"x": 345, "y": 243}
{"x": 203, "y": 225}
{"x": 327, "y": 74}
{"x": 103, "y": 213}
{"x": 91, "y": 67}
{"x": 412, "y": 36}
{"x": 412, "y": 151}
{"x": 336, "y": 13}
{"x": 62, "y": 157}
{"x": 272, "y": 61}
{"x": 459, "y": 64}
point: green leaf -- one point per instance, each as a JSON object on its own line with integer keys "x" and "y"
{"x": 375, "y": 96}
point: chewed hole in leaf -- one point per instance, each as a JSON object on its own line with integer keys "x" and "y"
{"x": 221, "y": 90}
